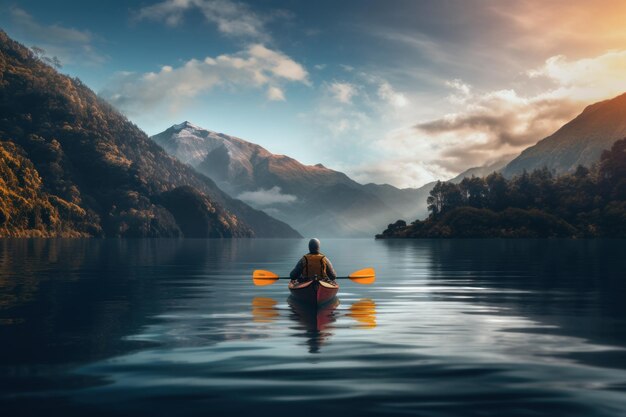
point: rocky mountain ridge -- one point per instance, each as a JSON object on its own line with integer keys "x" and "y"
{"x": 312, "y": 198}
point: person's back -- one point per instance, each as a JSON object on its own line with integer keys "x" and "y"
{"x": 313, "y": 265}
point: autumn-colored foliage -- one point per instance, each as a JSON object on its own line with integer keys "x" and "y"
{"x": 25, "y": 209}
{"x": 89, "y": 170}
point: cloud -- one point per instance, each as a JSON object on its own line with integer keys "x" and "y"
{"x": 491, "y": 124}
{"x": 346, "y": 68}
{"x": 263, "y": 197}
{"x": 572, "y": 26}
{"x": 342, "y": 92}
{"x": 53, "y": 33}
{"x": 337, "y": 119}
{"x": 277, "y": 63}
{"x": 233, "y": 19}
{"x": 588, "y": 79}
{"x": 254, "y": 67}
{"x": 401, "y": 172}
{"x": 68, "y": 44}
{"x": 488, "y": 125}
{"x": 461, "y": 91}
{"x": 391, "y": 96}
{"x": 275, "y": 94}
{"x": 353, "y": 109}
{"x": 503, "y": 118}
{"x": 426, "y": 46}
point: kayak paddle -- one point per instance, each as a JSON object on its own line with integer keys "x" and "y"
{"x": 365, "y": 276}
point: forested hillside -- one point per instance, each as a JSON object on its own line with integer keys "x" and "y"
{"x": 27, "y": 210}
{"x": 90, "y": 158}
{"x": 586, "y": 203}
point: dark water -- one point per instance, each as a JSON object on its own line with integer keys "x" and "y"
{"x": 175, "y": 327}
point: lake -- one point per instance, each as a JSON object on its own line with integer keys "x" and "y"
{"x": 176, "y": 327}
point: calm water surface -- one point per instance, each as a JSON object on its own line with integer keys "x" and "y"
{"x": 450, "y": 328}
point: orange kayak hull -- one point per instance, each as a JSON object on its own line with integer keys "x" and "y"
{"x": 314, "y": 292}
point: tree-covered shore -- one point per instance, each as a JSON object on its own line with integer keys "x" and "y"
{"x": 590, "y": 202}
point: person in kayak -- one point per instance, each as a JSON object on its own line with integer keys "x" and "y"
{"x": 313, "y": 264}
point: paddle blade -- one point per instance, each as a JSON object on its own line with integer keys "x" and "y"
{"x": 261, "y": 277}
{"x": 364, "y": 276}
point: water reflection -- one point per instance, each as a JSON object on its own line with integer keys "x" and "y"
{"x": 364, "y": 312}
{"x": 264, "y": 310}
{"x": 571, "y": 287}
{"x": 487, "y": 328}
{"x": 313, "y": 323}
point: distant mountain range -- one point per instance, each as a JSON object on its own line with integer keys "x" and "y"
{"x": 71, "y": 165}
{"x": 484, "y": 170}
{"x": 321, "y": 201}
{"x": 312, "y": 198}
{"x": 579, "y": 142}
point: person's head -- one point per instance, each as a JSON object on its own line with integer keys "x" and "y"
{"x": 314, "y": 245}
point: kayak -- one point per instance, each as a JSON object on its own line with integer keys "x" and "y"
{"x": 314, "y": 293}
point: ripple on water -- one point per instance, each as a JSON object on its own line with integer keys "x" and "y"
{"x": 472, "y": 328}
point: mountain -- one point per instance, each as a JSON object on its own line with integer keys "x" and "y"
{"x": 314, "y": 199}
{"x": 579, "y": 142}
{"x": 25, "y": 208}
{"x": 87, "y": 170}
{"x": 484, "y": 170}
{"x": 414, "y": 200}
{"x": 590, "y": 202}
{"x": 238, "y": 165}
{"x": 411, "y": 202}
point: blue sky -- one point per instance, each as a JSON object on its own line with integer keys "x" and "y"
{"x": 393, "y": 91}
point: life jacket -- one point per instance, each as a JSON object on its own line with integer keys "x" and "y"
{"x": 314, "y": 264}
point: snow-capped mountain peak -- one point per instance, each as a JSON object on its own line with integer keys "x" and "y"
{"x": 316, "y": 199}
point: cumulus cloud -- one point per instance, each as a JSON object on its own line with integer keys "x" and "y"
{"x": 263, "y": 197}
{"x": 353, "y": 109}
{"x": 461, "y": 91}
{"x": 275, "y": 94}
{"x": 70, "y": 45}
{"x": 504, "y": 118}
{"x": 342, "y": 92}
{"x": 588, "y": 79}
{"x": 255, "y": 67}
{"x": 490, "y": 124}
{"x": 231, "y": 18}
{"x": 391, "y": 96}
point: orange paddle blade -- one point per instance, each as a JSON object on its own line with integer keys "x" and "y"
{"x": 364, "y": 276}
{"x": 261, "y": 277}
